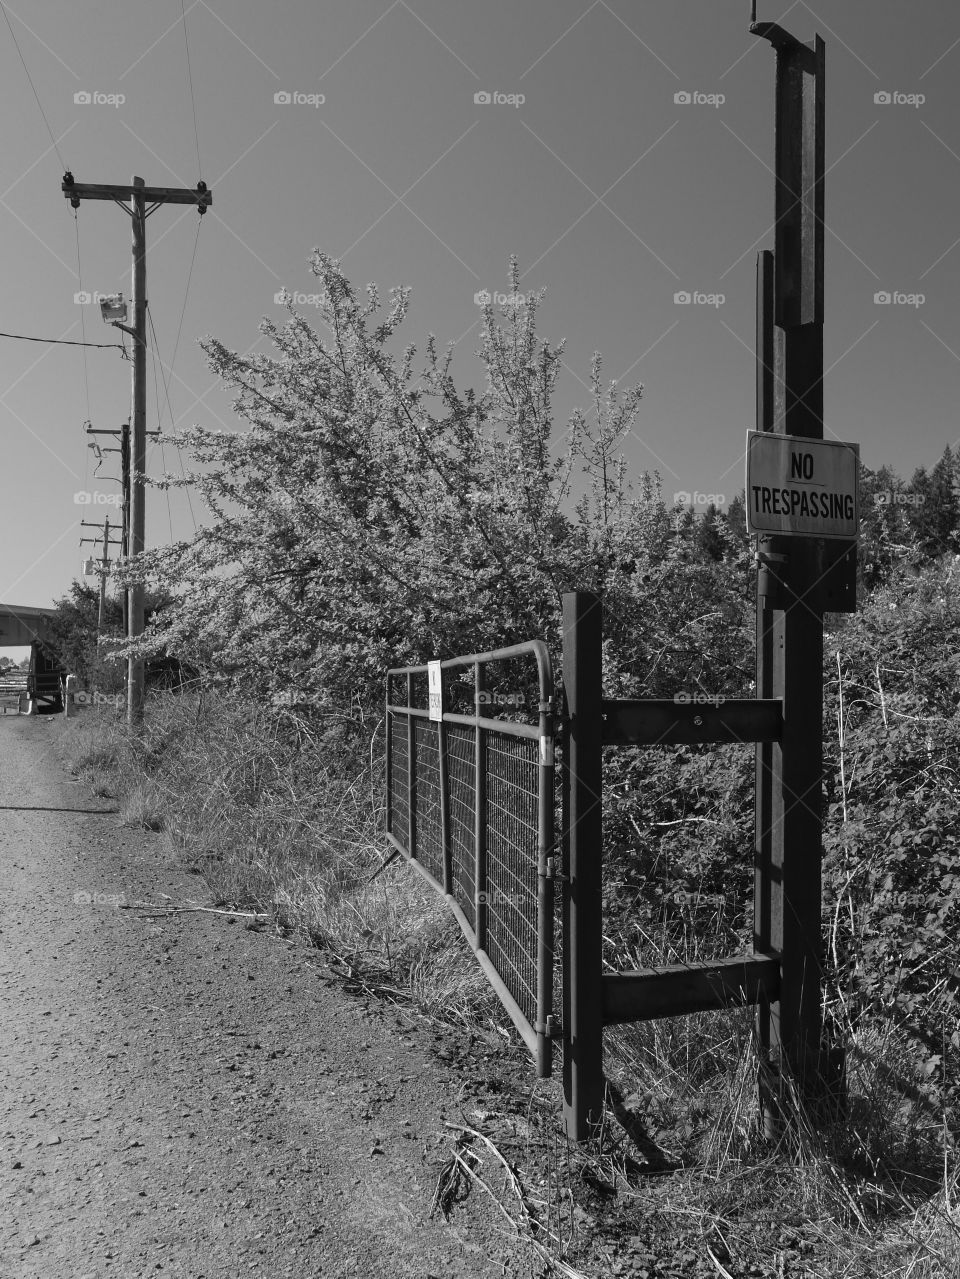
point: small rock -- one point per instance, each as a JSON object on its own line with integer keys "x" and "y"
{"x": 16, "y": 1164}
{"x": 53, "y": 1140}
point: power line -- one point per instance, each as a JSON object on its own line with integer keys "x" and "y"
{"x": 163, "y": 456}
{"x": 176, "y": 348}
{"x": 83, "y": 326}
{"x": 186, "y": 294}
{"x": 166, "y": 391}
{"x": 32, "y": 85}
{"x": 193, "y": 101}
{"x": 97, "y": 346}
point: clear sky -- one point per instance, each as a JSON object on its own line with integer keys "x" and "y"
{"x": 611, "y": 192}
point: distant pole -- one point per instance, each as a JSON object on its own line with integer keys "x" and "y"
{"x": 104, "y": 567}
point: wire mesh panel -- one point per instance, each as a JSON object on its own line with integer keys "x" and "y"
{"x": 485, "y": 835}
{"x": 426, "y": 772}
{"x": 461, "y": 772}
{"x": 512, "y": 768}
{"x": 398, "y": 779}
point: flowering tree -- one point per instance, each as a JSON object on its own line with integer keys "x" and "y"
{"x": 373, "y": 514}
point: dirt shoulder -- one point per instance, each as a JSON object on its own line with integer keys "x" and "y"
{"x": 186, "y": 1095}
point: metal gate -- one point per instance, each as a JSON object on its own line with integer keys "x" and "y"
{"x": 470, "y": 804}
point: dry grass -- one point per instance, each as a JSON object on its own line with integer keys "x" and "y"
{"x": 285, "y": 816}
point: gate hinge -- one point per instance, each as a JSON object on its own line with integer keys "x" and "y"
{"x": 549, "y": 1028}
{"x": 552, "y": 870}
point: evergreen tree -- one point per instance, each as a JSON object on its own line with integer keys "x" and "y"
{"x": 708, "y": 536}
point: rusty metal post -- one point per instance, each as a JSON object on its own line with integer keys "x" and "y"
{"x": 583, "y": 819}
{"x": 790, "y": 597}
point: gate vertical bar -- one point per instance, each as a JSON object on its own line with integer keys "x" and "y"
{"x": 411, "y": 775}
{"x": 480, "y": 812}
{"x": 545, "y": 888}
{"x": 388, "y": 758}
{"x": 790, "y": 647}
{"x": 583, "y": 918}
{"x": 444, "y": 780}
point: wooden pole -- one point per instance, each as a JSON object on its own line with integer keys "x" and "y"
{"x": 138, "y": 195}
{"x": 104, "y": 564}
{"x": 138, "y": 458}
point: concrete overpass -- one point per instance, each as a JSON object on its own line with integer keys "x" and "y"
{"x": 20, "y": 625}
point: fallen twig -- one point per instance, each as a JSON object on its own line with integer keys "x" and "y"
{"x": 148, "y": 908}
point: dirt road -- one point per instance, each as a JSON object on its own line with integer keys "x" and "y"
{"x": 185, "y": 1096}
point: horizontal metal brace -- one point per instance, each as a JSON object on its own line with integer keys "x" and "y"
{"x": 768, "y": 557}
{"x": 691, "y": 721}
{"x": 651, "y": 993}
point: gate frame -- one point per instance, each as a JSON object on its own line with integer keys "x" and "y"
{"x": 799, "y": 578}
{"x": 536, "y": 1036}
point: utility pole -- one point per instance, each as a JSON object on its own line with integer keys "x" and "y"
{"x": 104, "y": 570}
{"x": 134, "y": 200}
{"x": 124, "y": 451}
{"x": 104, "y": 565}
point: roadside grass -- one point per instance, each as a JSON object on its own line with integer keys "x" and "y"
{"x": 284, "y": 816}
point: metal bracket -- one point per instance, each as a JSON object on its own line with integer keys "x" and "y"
{"x": 769, "y": 557}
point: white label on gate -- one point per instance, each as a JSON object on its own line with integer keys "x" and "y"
{"x": 435, "y": 690}
{"x": 546, "y": 751}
